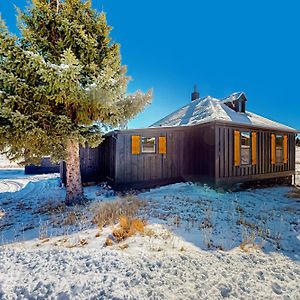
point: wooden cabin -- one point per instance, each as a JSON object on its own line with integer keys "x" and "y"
{"x": 208, "y": 141}
{"x": 45, "y": 167}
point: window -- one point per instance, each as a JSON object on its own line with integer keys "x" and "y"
{"x": 279, "y": 148}
{"x": 148, "y": 145}
{"x": 245, "y": 148}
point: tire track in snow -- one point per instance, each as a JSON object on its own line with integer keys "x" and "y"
{"x": 10, "y": 186}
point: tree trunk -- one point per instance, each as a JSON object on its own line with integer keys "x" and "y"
{"x": 73, "y": 176}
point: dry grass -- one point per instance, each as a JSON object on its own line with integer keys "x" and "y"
{"x": 295, "y": 193}
{"x": 51, "y": 207}
{"x": 246, "y": 224}
{"x": 46, "y": 240}
{"x": 80, "y": 243}
{"x": 109, "y": 213}
{"x": 108, "y": 242}
{"x": 124, "y": 246}
{"x": 249, "y": 245}
{"x": 128, "y": 227}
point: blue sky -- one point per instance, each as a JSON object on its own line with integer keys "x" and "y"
{"x": 223, "y": 46}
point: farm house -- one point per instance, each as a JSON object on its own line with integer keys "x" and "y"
{"x": 208, "y": 141}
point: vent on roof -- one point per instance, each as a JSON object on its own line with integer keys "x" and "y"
{"x": 195, "y": 94}
{"x": 237, "y": 102}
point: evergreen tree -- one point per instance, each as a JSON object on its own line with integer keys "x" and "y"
{"x": 61, "y": 84}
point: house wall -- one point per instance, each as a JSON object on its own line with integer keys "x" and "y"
{"x": 200, "y": 153}
{"x": 190, "y": 156}
{"x": 227, "y": 173}
{"x": 90, "y": 164}
{"x": 107, "y": 162}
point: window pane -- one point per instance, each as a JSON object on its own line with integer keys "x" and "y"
{"x": 279, "y": 140}
{"x": 279, "y": 148}
{"x": 245, "y": 148}
{"x": 245, "y": 155}
{"x": 148, "y": 145}
{"x": 245, "y": 138}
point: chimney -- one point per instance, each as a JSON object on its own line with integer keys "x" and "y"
{"x": 195, "y": 94}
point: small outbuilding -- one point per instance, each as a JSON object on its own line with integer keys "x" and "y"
{"x": 209, "y": 140}
{"x": 45, "y": 167}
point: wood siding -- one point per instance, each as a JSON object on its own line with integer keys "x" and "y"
{"x": 228, "y": 173}
{"x": 200, "y": 153}
{"x": 189, "y": 156}
{"x": 90, "y": 164}
{"x": 107, "y": 169}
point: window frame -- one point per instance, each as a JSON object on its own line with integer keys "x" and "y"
{"x": 249, "y": 162}
{"x": 155, "y": 145}
{"x": 281, "y": 148}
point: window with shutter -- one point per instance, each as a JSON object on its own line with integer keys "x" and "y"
{"x": 148, "y": 145}
{"x": 245, "y": 148}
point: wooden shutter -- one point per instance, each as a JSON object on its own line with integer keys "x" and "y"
{"x": 135, "y": 144}
{"x": 237, "y": 148}
{"x": 273, "y": 149}
{"x": 254, "y": 148}
{"x": 285, "y": 149}
{"x": 162, "y": 145}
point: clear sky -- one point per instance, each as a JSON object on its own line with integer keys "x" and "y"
{"x": 223, "y": 46}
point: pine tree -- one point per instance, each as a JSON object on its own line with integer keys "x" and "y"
{"x": 61, "y": 84}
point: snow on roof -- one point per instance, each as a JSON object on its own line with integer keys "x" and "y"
{"x": 210, "y": 109}
{"x": 233, "y": 97}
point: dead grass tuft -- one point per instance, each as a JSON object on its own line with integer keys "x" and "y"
{"x": 46, "y": 240}
{"x": 149, "y": 232}
{"x": 124, "y": 246}
{"x": 109, "y": 213}
{"x": 71, "y": 218}
{"x": 128, "y": 228}
{"x": 51, "y": 207}
{"x": 294, "y": 194}
{"x": 246, "y": 224}
{"x": 80, "y": 243}
{"x": 108, "y": 242}
{"x": 249, "y": 245}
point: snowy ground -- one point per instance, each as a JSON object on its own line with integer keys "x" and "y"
{"x": 194, "y": 251}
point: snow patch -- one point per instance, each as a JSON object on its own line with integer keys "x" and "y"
{"x": 189, "y": 223}
{"x": 210, "y": 109}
